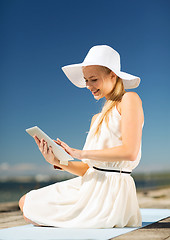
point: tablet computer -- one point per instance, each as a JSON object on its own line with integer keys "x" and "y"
{"x": 58, "y": 151}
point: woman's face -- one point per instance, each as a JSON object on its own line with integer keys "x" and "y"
{"x": 98, "y": 82}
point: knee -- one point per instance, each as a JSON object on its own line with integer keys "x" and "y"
{"x": 29, "y": 221}
{"x": 21, "y": 205}
{"x": 21, "y": 202}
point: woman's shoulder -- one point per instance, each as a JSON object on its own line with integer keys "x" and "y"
{"x": 131, "y": 100}
{"x": 129, "y": 97}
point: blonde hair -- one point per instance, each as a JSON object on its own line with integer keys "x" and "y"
{"x": 115, "y": 96}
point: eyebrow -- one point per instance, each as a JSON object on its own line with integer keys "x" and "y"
{"x": 90, "y": 77}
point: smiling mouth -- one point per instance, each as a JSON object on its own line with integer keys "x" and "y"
{"x": 95, "y": 92}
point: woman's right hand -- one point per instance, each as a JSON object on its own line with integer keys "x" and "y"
{"x": 46, "y": 152}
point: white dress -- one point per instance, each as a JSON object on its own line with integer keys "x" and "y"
{"x": 96, "y": 200}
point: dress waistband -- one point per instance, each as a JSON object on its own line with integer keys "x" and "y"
{"x": 111, "y": 170}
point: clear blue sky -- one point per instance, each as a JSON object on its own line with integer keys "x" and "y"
{"x": 38, "y": 37}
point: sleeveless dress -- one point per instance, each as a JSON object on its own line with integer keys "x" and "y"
{"x": 98, "y": 199}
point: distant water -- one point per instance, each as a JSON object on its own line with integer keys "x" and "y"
{"x": 13, "y": 190}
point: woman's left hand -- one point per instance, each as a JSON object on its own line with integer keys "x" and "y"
{"x": 75, "y": 153}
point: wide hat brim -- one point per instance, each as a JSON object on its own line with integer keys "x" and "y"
{"x": 75, "y": 75}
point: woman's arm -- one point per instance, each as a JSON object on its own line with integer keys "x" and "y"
{"x": 132, "y": 118}
{"x": 75, "y": 167}
{"x": 119, "y": 153}
{"x": 131, "y": 129}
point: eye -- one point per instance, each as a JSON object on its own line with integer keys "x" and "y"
{"x": 93, "y": 80}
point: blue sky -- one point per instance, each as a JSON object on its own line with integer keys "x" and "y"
{"x": 39, "y": 37}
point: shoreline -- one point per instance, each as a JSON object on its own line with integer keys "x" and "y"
{"x": 153, "y": 188}
{"x": 159, "y": 193}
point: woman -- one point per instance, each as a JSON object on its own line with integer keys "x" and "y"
{"x": 104, "y": 194}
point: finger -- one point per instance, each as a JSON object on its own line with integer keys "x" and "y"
{"x": 65, "y": 145}
{"x": 45, "y": 148}
{"x": 36, "y": 140}
{"x": 51, "y": 150}
{"x": 60, "y": 143}
{"x": 41, "y": 145}
{"x": 57, "y": 142}
{"x": 35, "y": 136}
{"x": 66, "y": 148}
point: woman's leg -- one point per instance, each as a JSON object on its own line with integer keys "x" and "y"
{"x": 21, "y": 205}
{"x": 21, "y": 202}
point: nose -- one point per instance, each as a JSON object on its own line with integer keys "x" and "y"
{"x": 88, "y": 85}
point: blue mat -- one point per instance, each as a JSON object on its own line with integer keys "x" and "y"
{"x": 30, "y": 232}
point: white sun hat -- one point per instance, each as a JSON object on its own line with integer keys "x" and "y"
{"x": 102, "y": 55}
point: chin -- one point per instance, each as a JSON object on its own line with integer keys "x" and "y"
{"x": 97, "y": 97}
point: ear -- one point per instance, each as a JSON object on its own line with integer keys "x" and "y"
{"x": 113, "y": 75}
